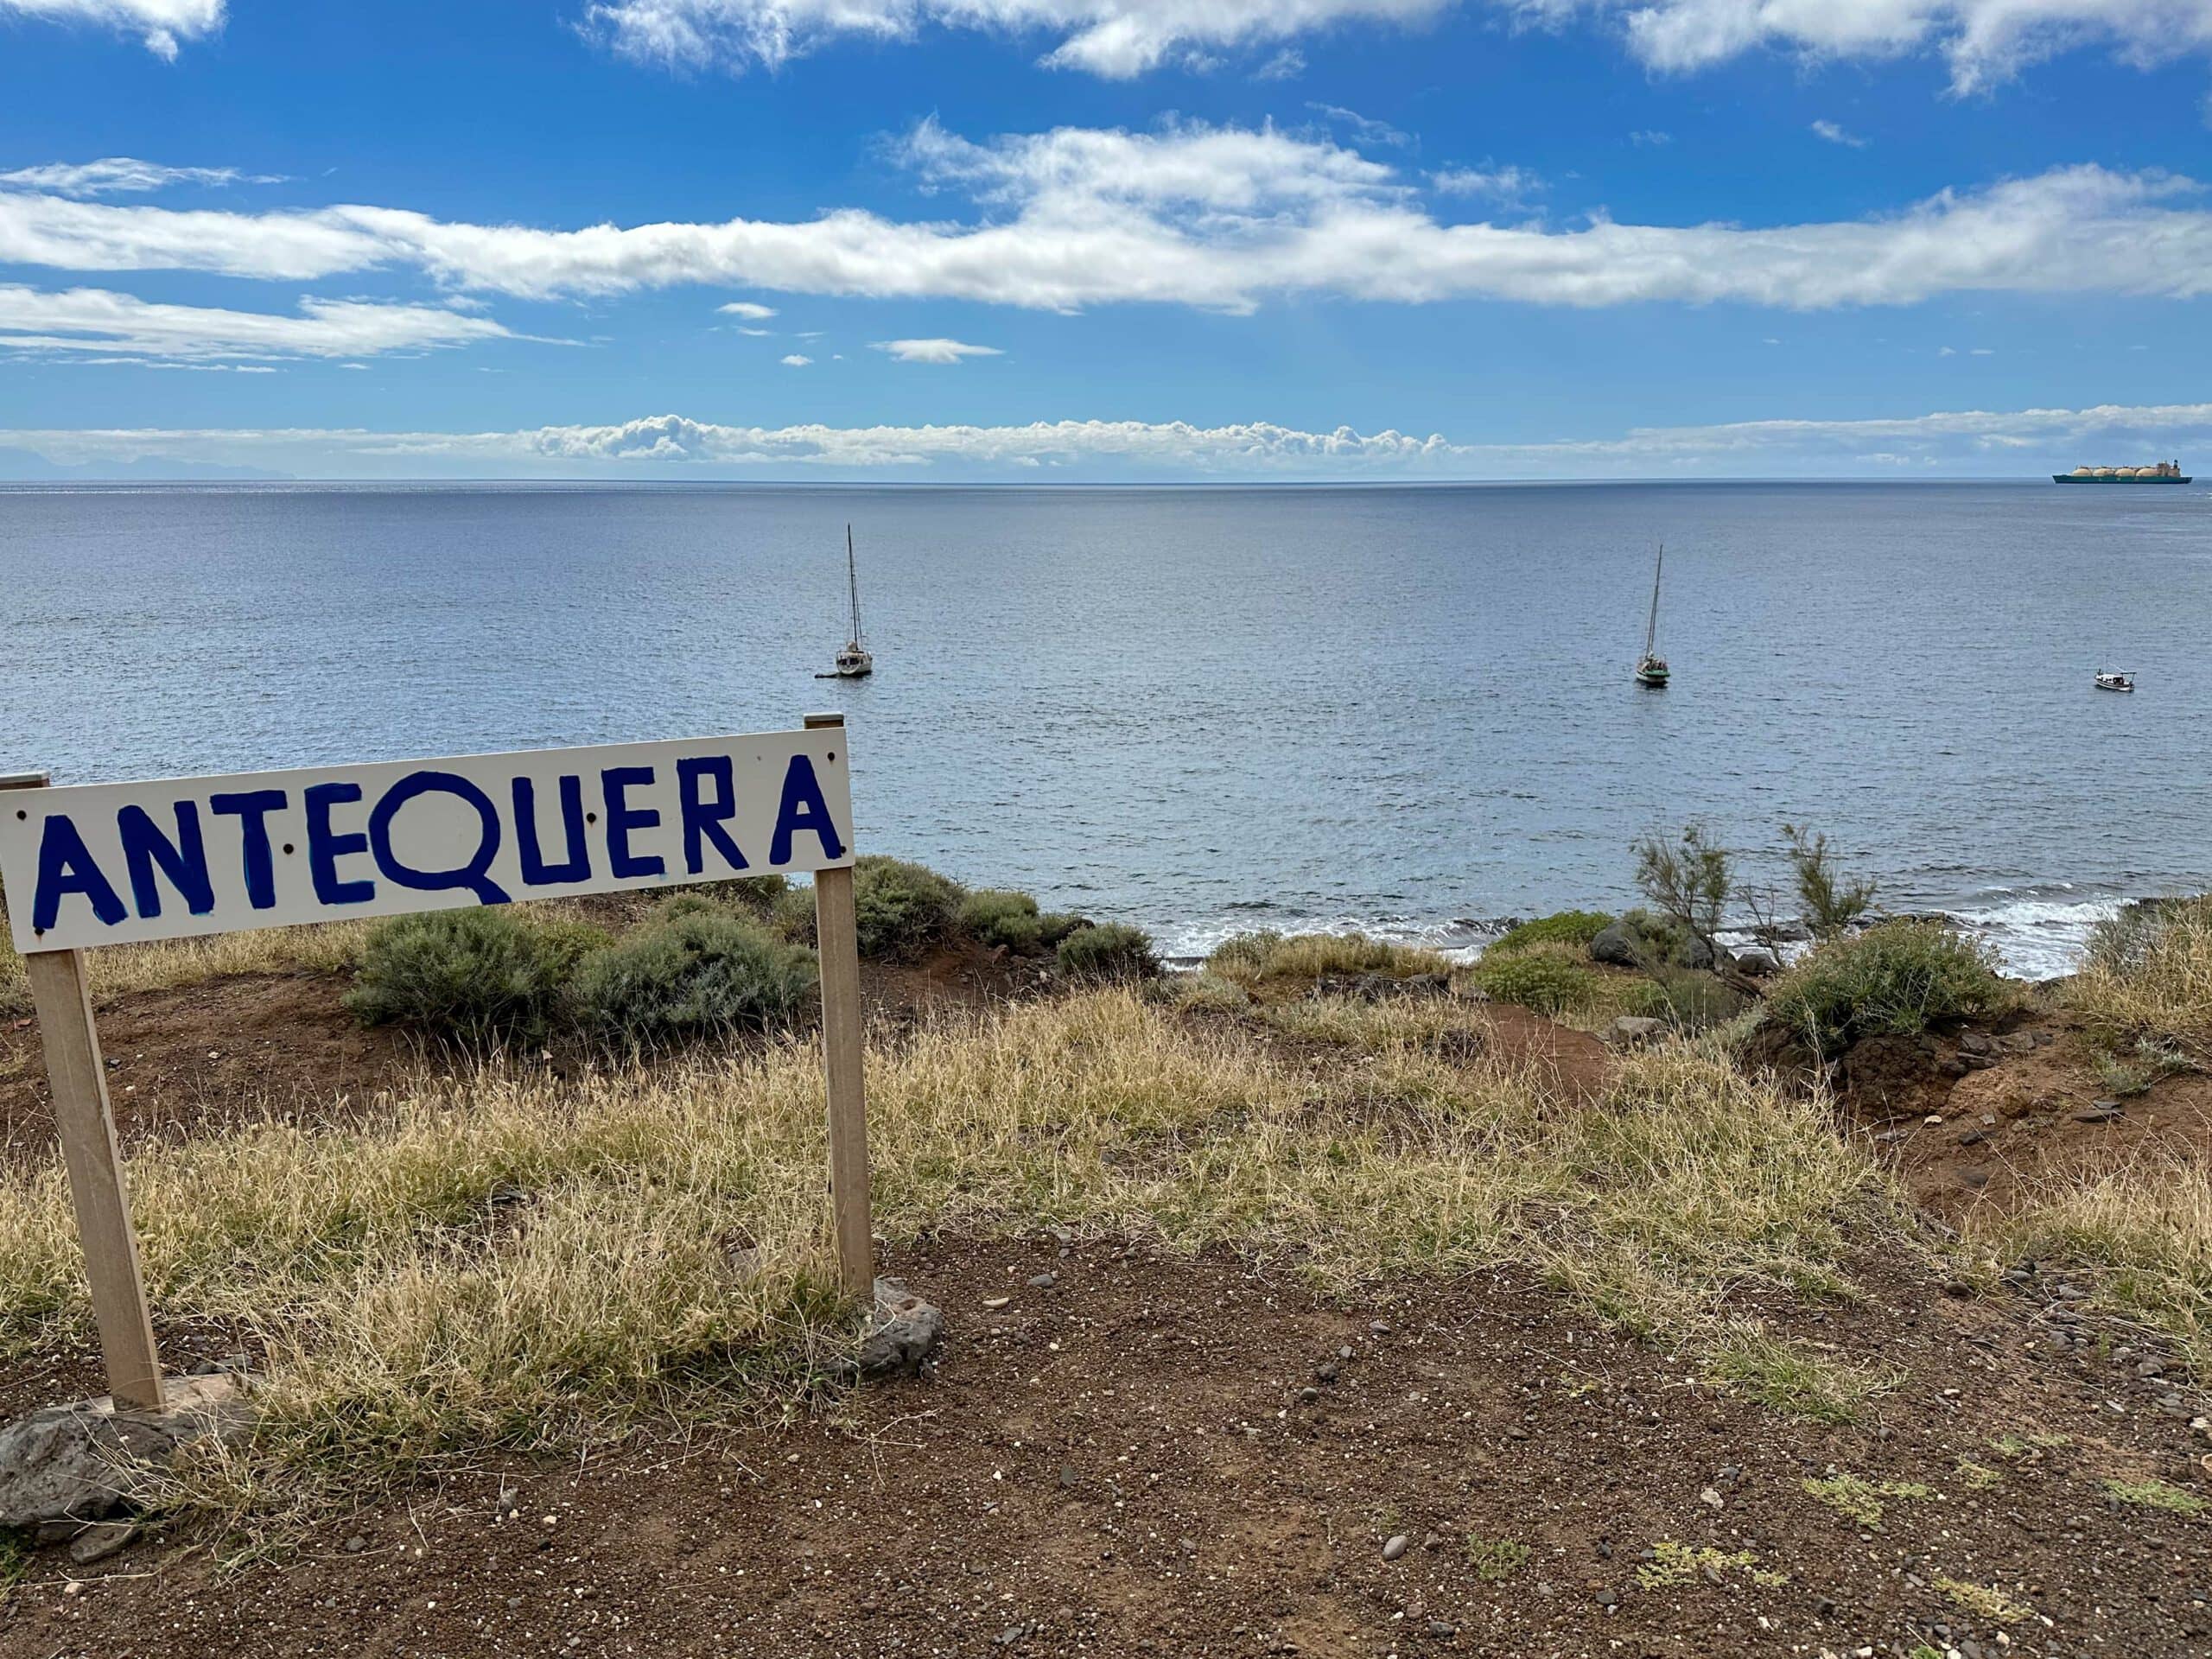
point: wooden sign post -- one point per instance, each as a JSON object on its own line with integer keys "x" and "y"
{"x": 97, "y": 864}
{"x": 836, "y": 946}
{"x": 84, "y": 1122}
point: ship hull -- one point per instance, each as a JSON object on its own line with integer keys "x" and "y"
{"x": 2069, "y": 478}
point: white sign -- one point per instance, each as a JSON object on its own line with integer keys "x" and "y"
{"x": 98, "y": 864}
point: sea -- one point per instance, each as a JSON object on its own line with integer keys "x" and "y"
{"x": 1207, "y": 709}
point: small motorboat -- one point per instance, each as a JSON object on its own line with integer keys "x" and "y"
{"x": 2115, "y": 682}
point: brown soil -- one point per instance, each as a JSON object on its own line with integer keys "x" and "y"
{"x": 1971, "y": 1131}
{"x": 1173, "y": 1457}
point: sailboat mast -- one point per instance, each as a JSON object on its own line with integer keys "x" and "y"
{"x": 853, "y": 583}
{"x": 1651, "y": 628}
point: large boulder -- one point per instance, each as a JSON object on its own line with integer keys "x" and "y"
{"x": 83, "y": 1462}
{"x": 1619, "y": 945}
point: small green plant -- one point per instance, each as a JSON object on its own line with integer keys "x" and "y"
{"x": 1861, "y": 1500}
{"x": 2155, "y": 1494}
{"x": 1689, "y": 879}
{"x": 1791, "y": 1378}
{"x": 1983, "y": 1600}
{"x": 790, "y": 915}
{"x": 1831, "y": 906}
{"x": 998, "y": 917}
{"x": 1548, "y": 978}
{"x": 1896, "y": 978}
{"x": 1496, "y": 1559}
{"x": 1562, "y": 927}
{"x": 689, "y": 975}
{"x": 1673, "y": 1563}
{"x": 901, "y": 910}
{"x": 1979, "y": 1475}
{"x": 478, "y": 975}
{"x": 1210, "y": 990}
{"x": 1106, "y": 952}
{"x": 1684, "y": 997}
{"x": 1254, "y": 958}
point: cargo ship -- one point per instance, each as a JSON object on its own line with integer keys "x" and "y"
{"x": 2166, "y": 472}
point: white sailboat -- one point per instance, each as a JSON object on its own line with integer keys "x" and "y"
{"x": 1651, "y": 668}
{"x": 855, "y": 661}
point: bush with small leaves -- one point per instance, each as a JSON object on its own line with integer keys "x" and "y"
{"x": 694, "y": 974}
{"x": 1548, "y": 978}
{"x": 478, "y": 975}
{"x": 791, "y": 919}
{"x": 1107, "y": 951}
{"x": 999, "y": 917}
{"x": 1562, "y": 927}
{"x": 1055, "y": 926}
{"x": 900, "y": 909}
{"x": 1896, "y": 978}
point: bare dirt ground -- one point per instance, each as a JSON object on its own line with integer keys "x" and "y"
{"x": 1162, "y": 1457}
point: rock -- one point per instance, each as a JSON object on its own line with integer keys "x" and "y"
{"x": 901, "y": 1331}
{"x": 1429, "y": 985}
{"x": 83, "y": 1462}
{"x": 1757, "y": 964}
{"x": 1632, "y": 1031}
{"x": 1618, "y": 946}
{"x": 101, "y": 1539}
{"x": 356, "y": 1544}
{"x": 1442, "y": 1630}
{"x": 1607, "y": 1599}
{"x": 1973, "y": 1042}
{"x": 1711, "y": 1498}
{"x": 1395, "y": 1547}
{"x": 1043, "y": 1281}
{"x": 2101, "y": 1111}
{"x": 992, "y": 1304}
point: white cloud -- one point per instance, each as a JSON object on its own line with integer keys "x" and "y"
{"x": 1287, "y": 65}
{"x": 1509, "y": 185}
{"x": 795, "y": 360}
{"x": 1947, "y": 351}
{"x": 1836, "y": 135}
{"x": 2021, "y": 443}
{"x": 933, "y": 350}
{"x": 1113, "y": 38}
{"x": 45, "y": 322}
{"x": 119, "y": 174}
{"x": 759, "y": 334}
{"x": 1984, "y": 41}
{"x": 751, "y": 311}
{"x": 1219, "y": 217}
{"x": 1651, "y": 138}
{"x": 160, "y": 23}
{"x": 1364, "y": 128}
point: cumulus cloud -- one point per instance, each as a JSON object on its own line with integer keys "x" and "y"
{"x": 1195, "y": 215}
{"x": 1984, "y": 41}
{"x": 161, "y": 24}
{"x": 90, "y": 319}
{"x": 749, "y": 309}
{"x": 122, "y": 175}
{"x": 2019, "y": 442}
{"x": 1836, "y": 135}
{"x": 933, "y": 350}
{"x": 1113, "y": 38}
{"x": 796, "y": 361}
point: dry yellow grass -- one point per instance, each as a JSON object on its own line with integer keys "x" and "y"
{"x": 327, "y": 947}
{"x": 1257, "y": 959}
{"x": 2149, "y": 976}
{"x": 515, "y": 1260}
{"x": 2146, "y": 1235}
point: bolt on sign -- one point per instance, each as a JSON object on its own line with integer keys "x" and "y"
{"x": 90, "y": 865}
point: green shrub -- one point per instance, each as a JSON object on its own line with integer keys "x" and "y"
{"x": 791, "y": 917}
{"x": 691, "y": 902}
{"x": 756, "y": 895}
{"x": 476, "y": 975}
{"x": 1055, "y": 926}
{"x": 901, "y": 909}
{"x": 1107, "y": 951}
{"x": 1562, "y": 927}
{"x": 1687, "y": 997}
{"x": 996, "y": 916}
{"x": 1664, "y": 940}
{"x": 1549, "y": 978}
{"x": 1894, "y": 978}
{"x": 698, "y": 973}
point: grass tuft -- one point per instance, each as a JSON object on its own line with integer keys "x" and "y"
{"x": 2154, "y": 1494}
{"x": 1983, "y": 1600}
{"x": 1573, "y": 927}
{"x": 1793, "y": 1378}
{"x": 1860, "y": 1500}
{"x": 2149, "y": 976}
{"x": 1264, "y": 959}
{"x": 1896, "y": 978}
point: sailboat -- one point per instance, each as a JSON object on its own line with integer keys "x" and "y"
{"x": 1651, "y": 668}
{"x": 855, "y": 661}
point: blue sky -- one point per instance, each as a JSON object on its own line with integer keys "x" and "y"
{"x": 1255, "y": 238}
